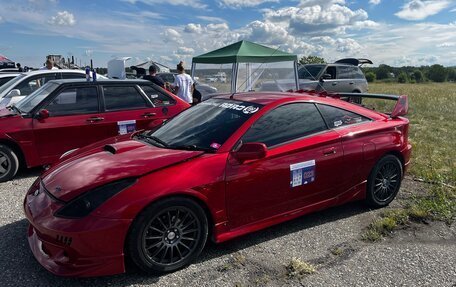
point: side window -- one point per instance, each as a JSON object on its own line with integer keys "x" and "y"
{"x": 123, "y": 98}
{"x": 332, "y": 71}
{"x": 73, "y": 76}
{"x": 158, "y": 98}
{"x": 286, "y": 123}
{"x": 358, "y": 73}
{"x": 345, "y": 72}
{"x": 73, "y": 101}
{"x": 30, "y": 85}
{"x": 336, "y": 117}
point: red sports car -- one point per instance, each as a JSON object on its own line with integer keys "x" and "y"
{"x": 66, "y": 114}
{"x": 226, "y": 167}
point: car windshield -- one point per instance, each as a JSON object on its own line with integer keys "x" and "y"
{"x": 11, "y": 83}
{"x": 29, "y": 102}
{"x": 309, "y": 72}
{"x": 205, "y": 126}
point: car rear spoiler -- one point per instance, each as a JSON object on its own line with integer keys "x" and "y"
{"x": 354, "y": 61}
{"x": 400, "y": 109}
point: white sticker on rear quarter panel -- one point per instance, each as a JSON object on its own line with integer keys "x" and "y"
{"x": 302, "y": 173}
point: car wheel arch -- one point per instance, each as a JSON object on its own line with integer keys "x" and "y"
{"x": 17, "y": 150}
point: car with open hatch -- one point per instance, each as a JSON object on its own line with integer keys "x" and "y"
{"x": 226, "y": 167}
{"x": 66, "y": 114}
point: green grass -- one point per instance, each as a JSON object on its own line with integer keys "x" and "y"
{"x": 432, "y": 115}
{"x": 438, "y": 204}
{"x": 297, "y": 268}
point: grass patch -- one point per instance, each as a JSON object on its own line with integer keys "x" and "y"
{"x": 438, "y": 204}
{"x": 432, "y": 131}
{"x": 337, "y": 251}
{"x": 297, "y": 268}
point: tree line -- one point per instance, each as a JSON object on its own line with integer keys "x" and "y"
{"x": 406, "y": 74}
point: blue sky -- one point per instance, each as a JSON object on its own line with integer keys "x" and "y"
{"x": 393, "y": 32}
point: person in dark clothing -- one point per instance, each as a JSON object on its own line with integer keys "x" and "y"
{"x": 19, "y": 68}
{"x": 196, "y": 96}
{"x": 153, "y": 77}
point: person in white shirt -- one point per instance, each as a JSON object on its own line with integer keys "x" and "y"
{"x": 49, "y": 65}
{"x": 183, "y": 84}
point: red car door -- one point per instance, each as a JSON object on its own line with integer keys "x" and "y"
{"x": 74, "y": 121}
{"x": 302, "y": 166}
{"x": 130, "y": 107}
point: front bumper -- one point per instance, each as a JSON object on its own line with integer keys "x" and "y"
{"x": 86, "y": 247}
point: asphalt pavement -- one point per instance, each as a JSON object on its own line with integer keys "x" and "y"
{"x": 419, "y": 255}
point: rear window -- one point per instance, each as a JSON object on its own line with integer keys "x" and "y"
{"x": 157, "y": 97}
{"x": 336, "y": 117}
{"x": 123, "y": 98}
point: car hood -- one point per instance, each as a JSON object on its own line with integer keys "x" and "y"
{"x": 109, "y": 162}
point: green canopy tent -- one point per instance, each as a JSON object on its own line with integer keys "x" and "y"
{"x": 245, "y": 52}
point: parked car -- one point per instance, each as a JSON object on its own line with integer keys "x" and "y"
{"x": 66, "y": 114}
{"x": 26, "y": 83}
{"x": 226, "y": 167}
{"x": 344, "y": 75}
{"x": 5, "y": 77}
{"x": 205, "y": 90}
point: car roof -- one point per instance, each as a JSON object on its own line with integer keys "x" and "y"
{"x": 7, "y": 75}
{"x": 38, "y": 72}
{"x": 108, "y": 81}
{"x": 266, "y": 98}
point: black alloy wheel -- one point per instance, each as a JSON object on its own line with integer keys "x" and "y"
{"x": 9, "y": 163}
{"x": 168, "y": 235}
{"x": 384, "y": 181}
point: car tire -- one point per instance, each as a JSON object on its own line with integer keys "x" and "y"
{"x": 384, "y": 181}
{"x": 167, "y": 235}
{"x": 9, "y": 163}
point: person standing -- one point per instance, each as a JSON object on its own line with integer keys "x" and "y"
{"x": 153, "y": 77}
{"x": 49, "y": 65}
{"x": 183, "y": 84}
{"x": 19, "y": 68}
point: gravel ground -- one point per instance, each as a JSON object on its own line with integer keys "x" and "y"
{"x": 420, "y": 255}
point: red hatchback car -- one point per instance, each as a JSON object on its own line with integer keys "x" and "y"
{"x": 66, "y": 114}
{"x": 226, "y": 167}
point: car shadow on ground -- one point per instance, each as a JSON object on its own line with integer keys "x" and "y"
{"x": 20, "y": 267}
{"x": 28, "y": 172}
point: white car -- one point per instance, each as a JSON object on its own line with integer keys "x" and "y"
{"x": 26, "y": 83}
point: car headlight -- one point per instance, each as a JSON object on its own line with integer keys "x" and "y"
{"x": 86, "y": 203}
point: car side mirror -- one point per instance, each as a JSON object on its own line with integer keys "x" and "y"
{"x": 250, "y": 151}
{"x": 43, "y": 114}
{"x": 13, "y": 93}
{"x": 325, "y": 77}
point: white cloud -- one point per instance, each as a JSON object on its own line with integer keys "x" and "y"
{"x": 193, "y": 28}
{"x": 375, "y": 2}
{"x": 236, "y": 4}
{"x": 1, "y": 19}
{"x": 211, "y": 19}
{"x": 446, "y": 45}
{"x": 420, "y": 9}
{"x": 171, "y": 35}
{"x": 63, "y": 18}
{"x": 192, "y": 3}
{"x": 185, "y": 51}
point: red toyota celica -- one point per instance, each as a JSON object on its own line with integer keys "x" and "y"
{"x": 226, "y": 167}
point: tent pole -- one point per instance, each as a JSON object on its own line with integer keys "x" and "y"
{"x": 193, "y": 71}
{"x": 234, "y": 70}
{"x": 296, "y": 75}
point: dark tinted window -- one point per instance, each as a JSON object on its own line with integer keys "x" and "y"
{"x": 123, "y": 98}
{"x": 358, "y": 74}
{"x": 346, "y": 72}
{"x": 73, "y": 76}
{"x": 157, "y": 97}
{"x": 4, "y": 80}
{"x": 330, "y": 70}
{"x": 309, "y": 71}
{"x": 32, "y": 84}
{"x": 336, "y": 117}
{"x": 286, "y": 123}
{"x": 73, "y": 101}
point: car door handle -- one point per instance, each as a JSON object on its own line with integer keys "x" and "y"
{"x": 334, "y": 83}
{"x": 149, "y": 115}
{"x": 351, "y": 83}
{"x": 95, "y": 119}
{"x": 329, "y": 151}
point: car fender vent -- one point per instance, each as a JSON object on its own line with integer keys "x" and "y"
{"x": 110, "y": 148}
{"x": 65, "y": 240}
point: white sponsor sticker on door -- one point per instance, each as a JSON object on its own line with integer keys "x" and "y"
{"x": 302, "y": 173}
